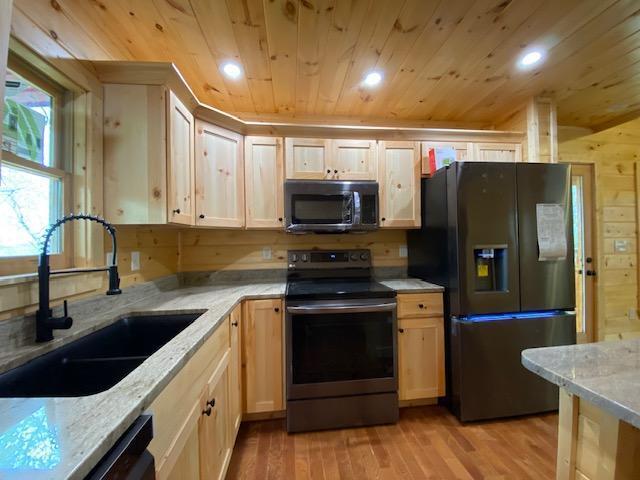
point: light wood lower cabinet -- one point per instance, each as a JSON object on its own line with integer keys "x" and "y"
{"x": 420, "y": 358}
{"x": 213, "y": 437}
{"x": 420, "y": 346}
{"x": 235, "y": 373}
{"x": 262, "y": 356}
{"x": 193, "y": 417}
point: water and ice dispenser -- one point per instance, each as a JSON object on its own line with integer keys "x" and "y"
{"x": 491, "y": 272}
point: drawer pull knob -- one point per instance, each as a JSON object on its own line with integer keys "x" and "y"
{"x": 277, "y": 309}
{"x": 202, "y": 215}
{"x": 421, "y": 305}
{"x": 207, "y": 411}
{"x": 212, "y": 402}
{"x": 401, "y": 330}
{"x": 234, "y": 324}
{"x": 177, "y": 211}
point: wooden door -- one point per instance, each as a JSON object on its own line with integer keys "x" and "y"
{"x": 354, "y": 159}
{"x": 307, "y": 158}
{"x": 180, "y": 162}
{"x": 262, "y": 356}
{"x": 420, "y": 358}
{"x": 214, "y": 446}
{"x": 264, "y": 182}
{"x": 219, "y": 177}
{"x": 399, "y": 179}
{"x": 583, "y": 249}
{"x": 496, "y": 152}
{"x": 235, "y": 375}
{"x": 187, "y": 463}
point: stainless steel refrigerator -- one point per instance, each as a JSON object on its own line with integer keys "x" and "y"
{"x": 499, "y": 238}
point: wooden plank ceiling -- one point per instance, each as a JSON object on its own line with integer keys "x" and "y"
{"x": 444, "y": 61}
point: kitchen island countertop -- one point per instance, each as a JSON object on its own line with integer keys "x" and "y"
{"x": 606, "y": 374}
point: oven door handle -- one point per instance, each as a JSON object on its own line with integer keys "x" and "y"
{"x": 320, "y": 309}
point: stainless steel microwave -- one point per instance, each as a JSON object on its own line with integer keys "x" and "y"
{"x": 330, "y": 206}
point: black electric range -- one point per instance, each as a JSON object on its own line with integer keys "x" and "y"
{"x": 341, "y": 355}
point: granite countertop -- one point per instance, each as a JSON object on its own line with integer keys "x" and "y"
{"x": 606, "y": 374}
{"x": 65, "y": 437}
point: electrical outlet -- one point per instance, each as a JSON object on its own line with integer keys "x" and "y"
{"x": 632, "y": 314}
{"x": 266, "y": 253}
{"x": 109, "y": 258}
{"x": 403, "y": 251}
{"x": 135, "y": 261}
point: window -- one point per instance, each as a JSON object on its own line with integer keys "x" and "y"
{"x": 33, "y": 179}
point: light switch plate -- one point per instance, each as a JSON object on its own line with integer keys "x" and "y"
{"x": 403, "y": 251}
{"x": 620, "y": 246}
{"x": 135, "y": 261}
{"x": 266, "y": 253}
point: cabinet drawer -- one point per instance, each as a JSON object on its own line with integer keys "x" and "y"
{"x": 419, "y": 305}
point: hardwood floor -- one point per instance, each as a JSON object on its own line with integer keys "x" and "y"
{"x": 427, "y": 443}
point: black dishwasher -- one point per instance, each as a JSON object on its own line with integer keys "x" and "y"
{"x": 129, "y": 458}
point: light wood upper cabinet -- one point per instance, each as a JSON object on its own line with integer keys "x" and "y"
{"x": 135, "y": 126}
{"x": 307, "y": 158}
{"x": 180, "y": 162}
{"x": 496, "y": 152}
{"x": 219, "y": 177}
{"x": 399, "y": 179}
{"x": 264, "y": 179}
{"x": 324, "y": 159}
{"x": 354, "y": 159}
{"x": 262, "y": 356}
{"x": 420, "y": 358}
{"x": 235, "y": 374}
{"x": 462, "y": 150}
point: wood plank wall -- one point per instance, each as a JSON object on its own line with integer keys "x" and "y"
{"x": 166, "y": 250}
{"x": 203, "y": 250}
{"x": 615, "y": 154}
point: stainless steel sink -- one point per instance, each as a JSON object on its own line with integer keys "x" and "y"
{"x": 95, "y": 362}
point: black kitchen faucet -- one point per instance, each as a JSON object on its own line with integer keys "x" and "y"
{"x": 45, "y": 321}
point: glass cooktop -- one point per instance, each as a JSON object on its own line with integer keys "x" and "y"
{"x": 330, "y": 288}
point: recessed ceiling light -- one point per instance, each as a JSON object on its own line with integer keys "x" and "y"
{"x": 372, "y": 79}
{"x": 231, "y": 70}
{"x": 531, "y": 58}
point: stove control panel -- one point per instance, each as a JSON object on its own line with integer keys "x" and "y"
{"x": 321, "y": 259}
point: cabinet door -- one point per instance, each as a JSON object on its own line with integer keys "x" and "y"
{"x": 354, "y": 159}
{"x": 496, "y": 152}
{"x": 399, "y": 179}
{"x": 420, "y": 358}
{"x": 262, "y": 356}
{"x": 462, "y": 149}
{"x": 214, "y": 446}
{"x": 307, "y": 158}
{"x": 187, "y": 463}
{"x": 235, "y": 375}
{"x": 180, "y": 167}
{"x": 219, "y": 177}
{"x": 264, "y": 182}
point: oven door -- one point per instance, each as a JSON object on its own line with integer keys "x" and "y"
{"x": 341, "y": 348}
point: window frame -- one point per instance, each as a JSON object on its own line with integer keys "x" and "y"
{"x": 61, "y": 169}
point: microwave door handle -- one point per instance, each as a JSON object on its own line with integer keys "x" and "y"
{"x": 357, "y": 209}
